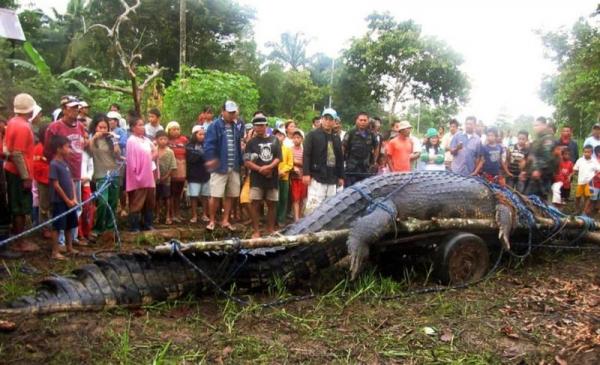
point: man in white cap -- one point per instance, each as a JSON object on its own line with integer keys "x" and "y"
{"x": 18, "y": 147}
{"x": 68, "y": 126}
{"x": 400, "y": 148}
{"x": 223, "y": 152}
{"x": 323, "y": 168}
{"x": 84, "y": 114}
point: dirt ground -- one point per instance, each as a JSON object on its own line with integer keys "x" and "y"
{"x": 544, "y": 310}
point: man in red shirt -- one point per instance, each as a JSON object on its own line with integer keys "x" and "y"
{"x": 19, "y": 143}
{"x": 400, "y": 149}
{"x": 74, "y": 130}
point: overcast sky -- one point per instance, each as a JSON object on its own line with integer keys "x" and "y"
{"x": 503, "y": 57}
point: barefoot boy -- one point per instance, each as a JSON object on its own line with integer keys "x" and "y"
{"x": 62, "y": 194}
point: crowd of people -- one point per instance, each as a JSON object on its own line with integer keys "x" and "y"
{"x": 238, "y": 172}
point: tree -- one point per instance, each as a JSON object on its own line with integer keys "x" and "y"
{"x": 129, "y": 59}
{"x": 398, "y": 64}
{"x": 575, "y": 89}
{"x": 290, "y": 51}
{"x": 424, "y": 116}
{"x": 186, "y": 95}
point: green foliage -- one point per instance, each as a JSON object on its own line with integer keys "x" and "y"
{"x": 429, "y": 116}
{"x": 186, "y": 96}
{"x": 276, "y": 85}
{"x": 396, "y": 63}
{"x": 575, "y": 90}
{"x": 290, "y": 51}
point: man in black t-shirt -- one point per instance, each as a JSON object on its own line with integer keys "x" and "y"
{"x": 261, "y": 157}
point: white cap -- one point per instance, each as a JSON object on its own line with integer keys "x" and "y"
{"x": 113, "y": 115}
{"x": 231, "y": 106}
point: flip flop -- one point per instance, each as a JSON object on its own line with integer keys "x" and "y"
{"x": 228, "y": 227}
{"x": 210, "y": 227}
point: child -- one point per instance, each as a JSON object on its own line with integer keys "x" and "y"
{"x": 561, "y": 188}
{"x": 285, "y": 166}
{"x": 491, "y": 164}
{"x": 166, "y": 166}
{"x": 86, "y": 219}
{"x": 62, "y": 194}
{"x": 594, "y": 186}
{"x": 197, "y": 176}
{"x": 41, "y": 169}
{"x": 586, "y": 168}
{"x": 382, "y": 164}
{"x": 515, "y": 160}
{"x": 297, "y": 187}
{"x": 177, "y": 144}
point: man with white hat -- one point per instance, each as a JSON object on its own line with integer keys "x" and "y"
{"x": 400, "y": 148}
{"x": 223, "y": 151}
{"x": 18, "y": 147}
{"x": 323, "y": 168}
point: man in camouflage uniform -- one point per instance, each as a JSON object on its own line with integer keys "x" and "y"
{"x": 360, "y": 150}
{"x": 541, "y": 163}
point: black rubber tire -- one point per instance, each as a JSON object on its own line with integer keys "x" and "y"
{"x": 461, "y": 258}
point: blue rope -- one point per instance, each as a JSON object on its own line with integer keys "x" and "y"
{"x": 110, "y": 176}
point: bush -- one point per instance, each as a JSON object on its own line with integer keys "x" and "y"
{"x": 186, "y": 96}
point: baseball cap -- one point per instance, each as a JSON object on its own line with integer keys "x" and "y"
{"x": 404, "y": 125}
{"x": 298, "y": 131}
{"x": 279, "y": 130}
{"x": 113, "y": 115}
{"x": 69, "y": 101}
{"x": 331, "y": 112}
{"x": 432, "y": 132}
{"x": 259, "y": 119}
{"x": 197, "y": 128}
{"x": 36, "y": 110}
{"x": 230, "y": 106}
{"x": 596, "y": 126}
{"x": 23, "y": 103}
{"x": 249, "y": 126}
{"x": 83, "y": 104}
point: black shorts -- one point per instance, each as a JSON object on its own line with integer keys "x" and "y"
{"x": 163, "y": 191}
{"x": 66, "y": 222}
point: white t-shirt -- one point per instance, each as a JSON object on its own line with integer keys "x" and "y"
{"x": 151, "y": 130}
{"x": 592, "y": 141}
{"x": 586, "y": 169}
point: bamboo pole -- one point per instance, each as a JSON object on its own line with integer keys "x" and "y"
{"x": 407, "y": 229}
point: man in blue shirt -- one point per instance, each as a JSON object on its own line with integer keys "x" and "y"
{"x": 222, "y": 149}
{"x": 465, "y": 148}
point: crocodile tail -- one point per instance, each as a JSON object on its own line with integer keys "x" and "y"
{"x": 124, "y": 280}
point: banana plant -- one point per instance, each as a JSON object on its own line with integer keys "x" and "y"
{"x": 68, "y": 78}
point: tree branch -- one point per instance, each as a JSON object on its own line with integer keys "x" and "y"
{"x": 156, "y": 71}
{"x": 107, "y": 86}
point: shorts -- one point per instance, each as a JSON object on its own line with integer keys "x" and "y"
{"x": 583, "y": 190}
{"x": 19, "y": 200}
{"x": 245, "y": 193}
{"x": 264, "y": 194}
{"x": 299, "y": 190}
{"x": 177, "y": 188}
{"x": 317, "y": 193}
{"x": 66, "y": 222}
{"x": 556, "y": 195}
{"x": 228, "y": 183}
{"x": 595, "y": 193}
{"x": 163, "y": 191}
{"x": 196, "y": 189}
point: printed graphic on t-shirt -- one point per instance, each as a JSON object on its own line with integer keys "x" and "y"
{"x": 266, "y": 154}
{"x": 494, "y": 155}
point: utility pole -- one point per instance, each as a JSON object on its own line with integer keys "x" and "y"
{"x": 331, "y": 80}
{"x": 182, "y": 34}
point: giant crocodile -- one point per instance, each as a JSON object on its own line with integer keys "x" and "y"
{"x": 369, "y": 209}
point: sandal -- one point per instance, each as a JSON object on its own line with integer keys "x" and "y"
{"x": 210, "y": 227}
{"x": 229, "y": 227}
{"x": 58, "y": 257}
{"x": 193, "y": 220}
{"x": 168, "y": 221}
